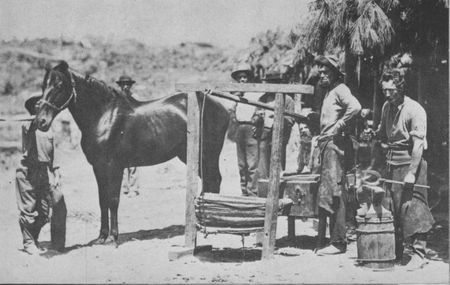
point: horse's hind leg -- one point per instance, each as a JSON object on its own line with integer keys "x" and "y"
{"x": 109, "y": 179}
{"x": 211, "y": 172}
{"x": 213, "y": 143}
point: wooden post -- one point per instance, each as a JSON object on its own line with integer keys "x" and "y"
{"x": 375, "y": 113}
{"x": 298, "y": 103}
{"x": 291, "y": 229}
{"x": 270, "y": 222}
{"x": 192, "y": 163}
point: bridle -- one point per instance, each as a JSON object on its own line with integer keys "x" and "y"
{"x": 73, "y": 95}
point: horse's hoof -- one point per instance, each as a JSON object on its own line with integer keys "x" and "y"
{"x": 97, "y": 241}
{"x": 112, "y": 241}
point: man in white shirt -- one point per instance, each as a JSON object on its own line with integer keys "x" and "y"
{"x": 246, "y": 143}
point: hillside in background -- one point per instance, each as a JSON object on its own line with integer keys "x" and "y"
{"x": 154, "y": 69}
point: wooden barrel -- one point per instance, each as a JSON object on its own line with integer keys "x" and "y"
{"x": 376, "y": 242}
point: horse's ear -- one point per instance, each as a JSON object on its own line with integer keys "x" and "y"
{"x": 48, "y": 66}
{"x": 62, "y": 65}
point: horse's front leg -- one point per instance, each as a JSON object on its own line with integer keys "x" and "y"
{"x": 115, "y": 175}
{"x": 101, "y": 177}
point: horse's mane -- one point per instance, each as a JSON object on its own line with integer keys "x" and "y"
{"x": 99, "y": 85}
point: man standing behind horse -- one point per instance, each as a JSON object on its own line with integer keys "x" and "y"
{"x": 264, "y": 120}
{"x": 246, "y": 143}
{"x": 37, "y": 187}
{"x": 131, "y": 182}
{"x": 339, "y": 106}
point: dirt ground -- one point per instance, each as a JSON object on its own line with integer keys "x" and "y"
{"x": 152, "y": 223}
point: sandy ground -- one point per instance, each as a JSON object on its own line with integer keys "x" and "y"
{"x": 153, "y": 222}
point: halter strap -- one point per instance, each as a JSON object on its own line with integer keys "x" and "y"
{"x": 73, "y": 95}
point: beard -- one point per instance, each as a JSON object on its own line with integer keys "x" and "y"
{"x": 324, "y": 83}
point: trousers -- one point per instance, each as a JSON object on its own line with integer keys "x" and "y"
{"x": 130, "y": 180}
{"x": 409, "y": 206}
{"x": 248, "y": 156}
{"x": 39, "y": 203}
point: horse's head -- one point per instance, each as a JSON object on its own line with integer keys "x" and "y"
{"x": 58, "y": 91}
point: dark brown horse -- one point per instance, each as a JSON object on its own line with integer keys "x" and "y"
{"x": 118, "y": 132}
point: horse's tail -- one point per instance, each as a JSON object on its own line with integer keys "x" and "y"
{"x": 215, "y": 119}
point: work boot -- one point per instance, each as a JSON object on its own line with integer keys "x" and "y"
{"x": 329, "y": 250}
{"x": 32, "y": 249}
{"x": 417, "y": 262}
{"x": 133, "y": 194}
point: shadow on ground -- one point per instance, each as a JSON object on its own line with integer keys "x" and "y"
{"x": 165, "y": 233}
{"x": 249, "y": 254}
{"x": 244, "y": 254}
{"x": 301, "y": 242}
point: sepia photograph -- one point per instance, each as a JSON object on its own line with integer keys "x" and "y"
{"x": 224, "y": 142}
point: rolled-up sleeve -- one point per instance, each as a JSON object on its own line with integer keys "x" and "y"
{"x": 418, "y": 123}
{"x": 349, "y": 103}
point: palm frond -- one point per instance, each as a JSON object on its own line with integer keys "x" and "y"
{"x": 387, "y": 5}
{"x": 372, "y": 30}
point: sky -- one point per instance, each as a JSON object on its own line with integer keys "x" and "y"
{"x": 156, "y": 22}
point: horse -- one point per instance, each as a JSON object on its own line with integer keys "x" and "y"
{"x": 118, "y": 131}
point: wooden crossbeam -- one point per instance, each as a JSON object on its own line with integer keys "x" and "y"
{"x": 247, "y": 87}
{"x": 297, "y": 117}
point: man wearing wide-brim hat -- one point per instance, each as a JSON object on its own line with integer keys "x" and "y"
{"x": 37, "y": 186}
{"x": 243, "y": 70}
{"x": 246, "y": 143}
{"x": 131, "y": 174}
{"x": 339, "y": 107}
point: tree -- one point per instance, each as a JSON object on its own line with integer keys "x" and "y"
{"x": 378, "y": 29}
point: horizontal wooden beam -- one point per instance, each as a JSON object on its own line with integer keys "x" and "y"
{"x": 247, "y": 87}
{"x": 235, "y": 98}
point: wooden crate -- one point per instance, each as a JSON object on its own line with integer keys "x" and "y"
{"x": 301, "y": 190}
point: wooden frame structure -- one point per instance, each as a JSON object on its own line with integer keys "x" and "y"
{"x": 193, "y": 155}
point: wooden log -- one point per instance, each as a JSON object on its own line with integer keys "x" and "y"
{"x": 228, "y": 230}
{"x": 248, "y": 87}
{"x": 192, "y": 162}
{"x": 270, "y": 224}
{"x": 230, "y": 205}
{"x": 226, "y": 212}
{"x": 234, "y": 199}
{"x": 232, "y": 222}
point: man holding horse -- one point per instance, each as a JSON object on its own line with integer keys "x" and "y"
{"x": 339, "y": 107}
{"x": 37, "y": 187}
{"x": 130, "y": 181}
{"x": 403, "y": 130}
